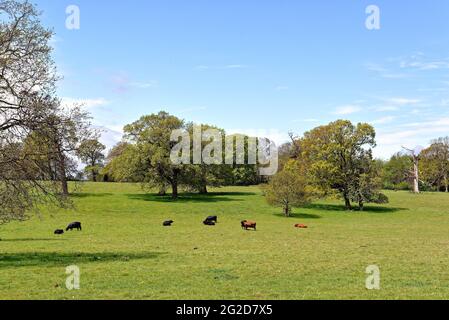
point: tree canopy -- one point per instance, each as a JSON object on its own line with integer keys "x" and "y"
{"x": 339, "y": 159}
{"x": 37, "y": 135}
{"x": 90, "y": 151}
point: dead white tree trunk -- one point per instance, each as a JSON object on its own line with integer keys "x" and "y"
{"x": 415, "y": 172}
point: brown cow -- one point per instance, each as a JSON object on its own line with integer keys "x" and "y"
{"x": 301, "y": 226}
{"x": 248, "y": 225}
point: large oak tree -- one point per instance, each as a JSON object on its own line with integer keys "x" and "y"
{"x": 339, "y": 158}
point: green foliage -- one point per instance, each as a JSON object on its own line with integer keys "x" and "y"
{"x": 365, "y": 189}
{"x": 286, "y": 189}
{"x": 90, "y": 152}
{"x": 199, "y": 176}
{"x": 151, "y": 136}
{"x": 338, "y": 157}
{"x": 434, "y": 165}
{"x": 245, "y": 175}
{"x": 144, "y": 156}
{"x": 93, "y": 173}
{"x": 124, "y": 164}
{"x": 396, "y": 172}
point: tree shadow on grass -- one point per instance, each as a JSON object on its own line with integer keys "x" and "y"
{"x": 89, "y": 195}
{"x": 299, "y": 216}
{"x": 31, "y": 239}
{"x": 25, "y": 259}
{"x": 367, "y": 209}
{"x": 192, "y": 197}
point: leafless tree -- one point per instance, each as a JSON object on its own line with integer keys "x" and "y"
{"x": 295, "y": 147}
{"x": 415, "y": 172}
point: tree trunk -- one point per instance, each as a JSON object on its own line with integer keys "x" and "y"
{"x": 94, "y": 175}
{"x": 415, "y": 175}
{"x": 203, "y": 185}
{"x": 174, "y": 185}
{"x": 446, "y": 183}
{"x": 51, "y": 174}
{"x": 361, "y": 202}
{"x": 64, "y": 185}
{"x": 162, "y": 191}
{"x": 62, "y": 174}
{"x": 348, "y": 205}
{"x": 203, "y": 189}
{"x": 287, "y": 210}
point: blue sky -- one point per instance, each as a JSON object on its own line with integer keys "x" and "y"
{"x": 259, "y": 67}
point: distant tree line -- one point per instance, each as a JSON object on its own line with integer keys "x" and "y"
{"x": 336, "y": 160}
{"x": 432, "y": 166}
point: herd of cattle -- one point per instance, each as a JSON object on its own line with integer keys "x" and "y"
{"x": 246, "y": 224}
{"x": 209, "y": 221}
{"x": 212, "y": 221}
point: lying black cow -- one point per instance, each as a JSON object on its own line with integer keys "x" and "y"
{"x": 59, "y": 231}
{"x": 209, "y": 223}
{"x": 168, "y": 223}
{"x": 74, "y": 225}
{"x": 212, "y": 218}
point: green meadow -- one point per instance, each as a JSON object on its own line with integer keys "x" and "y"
{"x": 124, "y": 252}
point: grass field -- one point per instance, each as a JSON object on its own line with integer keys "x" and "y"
{"x": 124, "y": 252}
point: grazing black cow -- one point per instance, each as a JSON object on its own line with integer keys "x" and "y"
{"x": 74, "y": 225}
{"x": 168, "y": 223}
{"x": 209, "y": 223}
{"x": 59, "y": 231}
{"x": 212, "y": 218}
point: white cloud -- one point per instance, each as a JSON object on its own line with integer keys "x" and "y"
{"x": 384, "y": 72}
{"x": 84, "y": 103}
{"x": 425, "y": 65}
{"x": 386, "y": 108}
{"x": 395, "y": 103}
{"x": 395, "y": 75}
{"x": 406, "y": 66}
{"x": 348, "y": 109}
{"x": 410, "y": 134}
{"x": 144, "y": 85}
{"x": 121, "y": 82}
{"x": 110, "y": 135}
{"x": 383, "y": 120}
{"x": 402, "y": 101}
{"x": 429, "y": 125}
{"x": 235, "y": 66}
